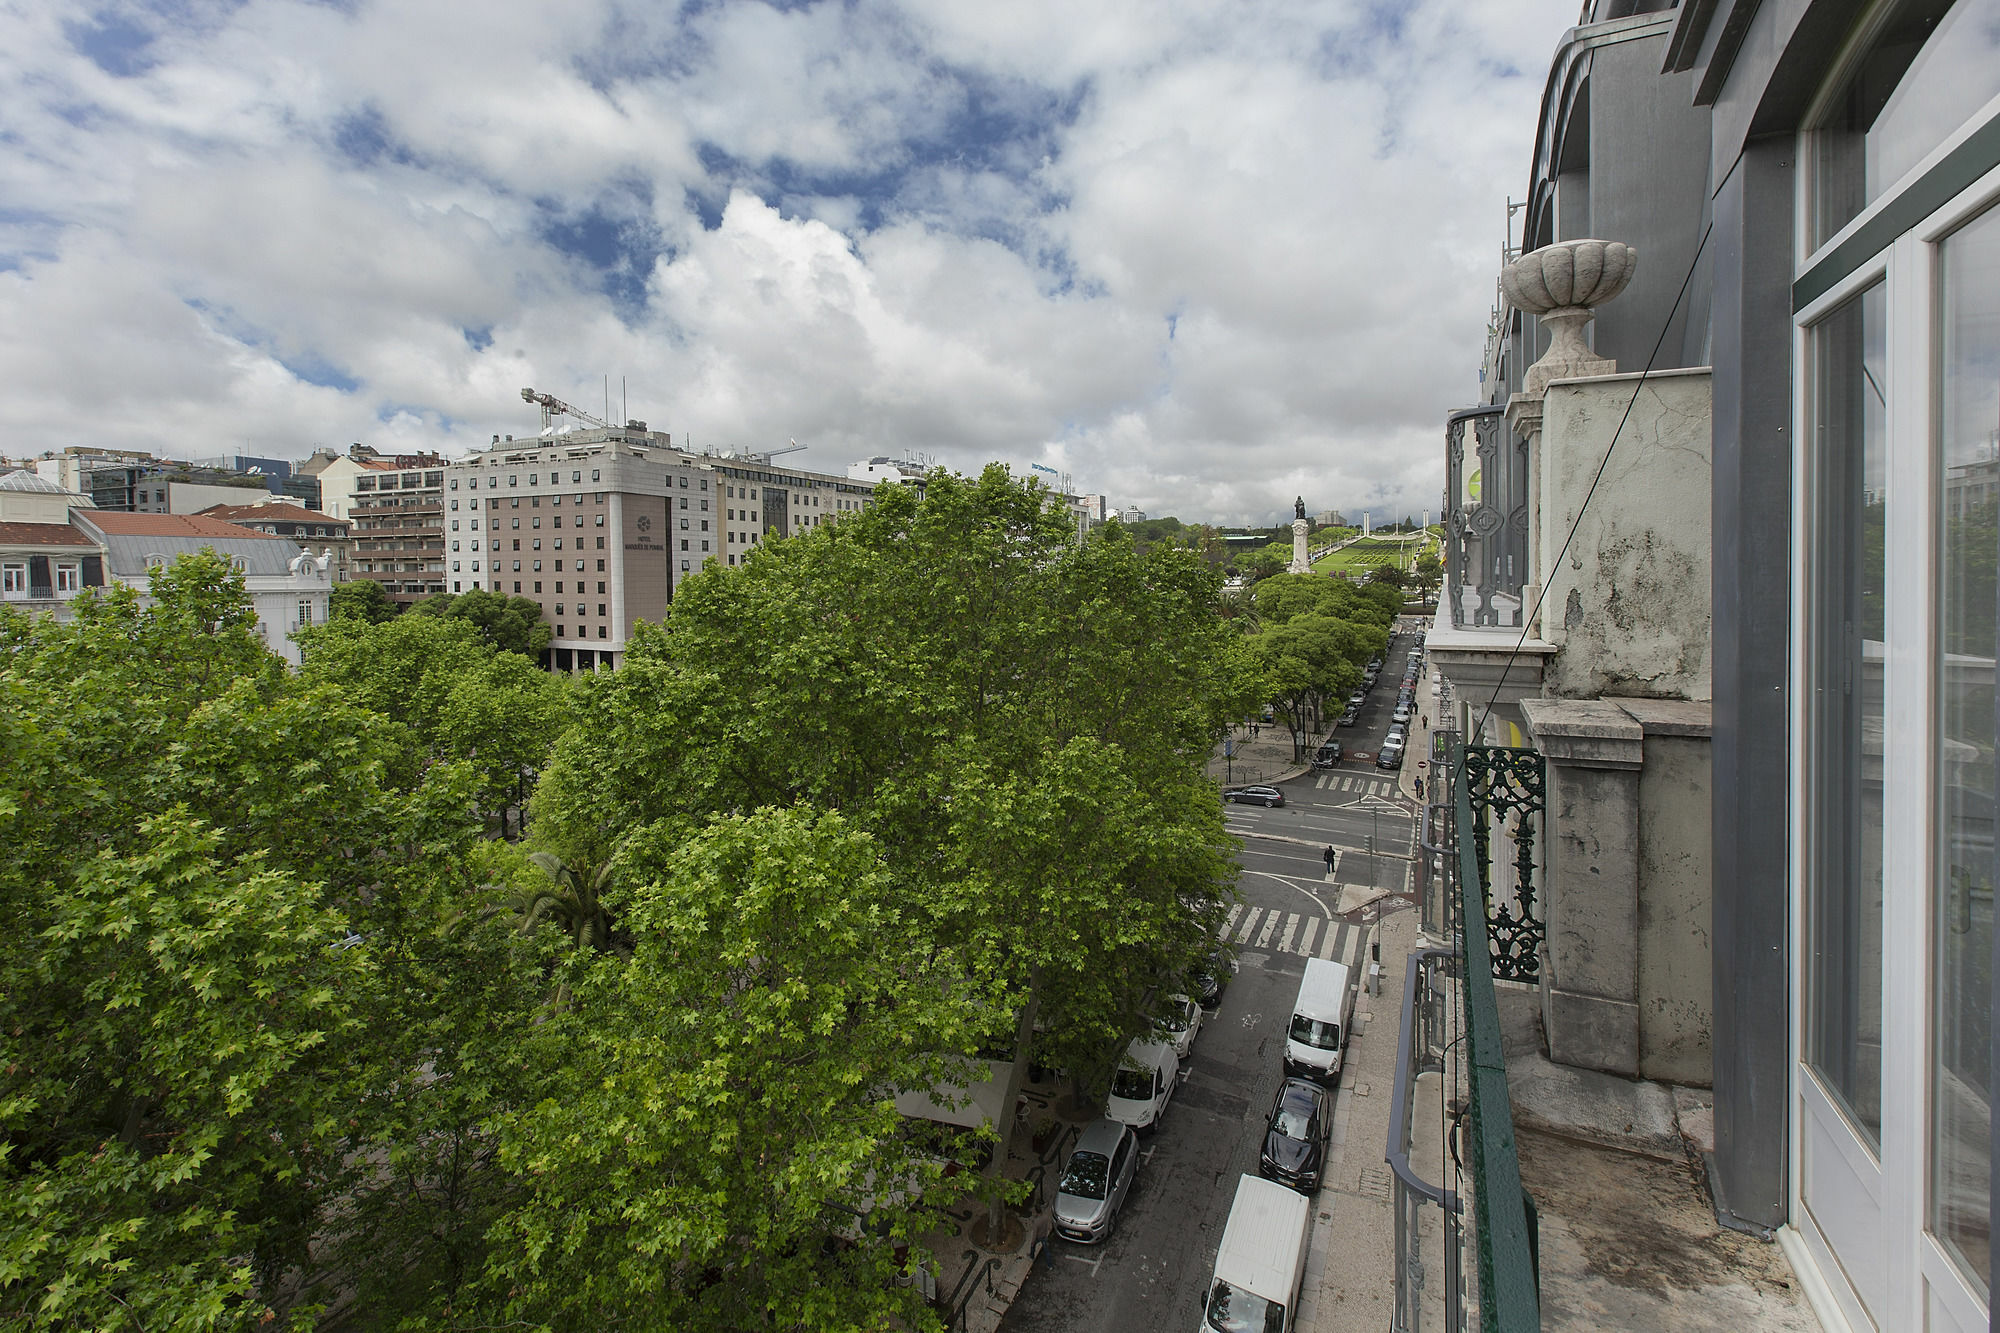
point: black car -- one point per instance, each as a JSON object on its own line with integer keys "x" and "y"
{"x": 1327, "y": 755}
{"x": 1210, "y": 977}
{"x": 1298, "y": 1135}
{"x": 1349, "y": 718}
{"x": 1389, "y": 756}
{"x": 1255, "y": 795}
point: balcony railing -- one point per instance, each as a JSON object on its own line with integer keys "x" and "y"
{"x": 1486, "y": 519}
{"x": 1479, "y": 867}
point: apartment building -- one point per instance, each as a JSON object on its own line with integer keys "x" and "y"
{"x": 1756, "y": 668}
{"x": 598, "y": 527}
{"x": 395, "y": 503}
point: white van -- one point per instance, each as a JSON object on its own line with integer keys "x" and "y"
{"x": 1262, "y": 1261}
{"x": 1322, "y": 1019}
{"x": 1143, "y": 1083}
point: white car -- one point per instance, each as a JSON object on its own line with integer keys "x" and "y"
{"x": 1179, "y": 1024}
{"x": 1143, "y": 1084}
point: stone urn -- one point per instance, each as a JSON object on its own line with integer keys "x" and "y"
{"x": 1564, "y": 283}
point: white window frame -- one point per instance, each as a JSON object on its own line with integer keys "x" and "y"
{"x": 1919, "y": 1284}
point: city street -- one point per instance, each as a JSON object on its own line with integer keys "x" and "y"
{"x": 1152, "y": 1271}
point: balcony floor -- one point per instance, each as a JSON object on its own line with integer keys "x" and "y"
{"x": 1629, "y": 1239}
{"x": 1630, "y": 1242}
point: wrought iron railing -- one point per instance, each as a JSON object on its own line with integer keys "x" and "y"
{"x": 1486, "y": 908}
{"x": 1486, "y": 519}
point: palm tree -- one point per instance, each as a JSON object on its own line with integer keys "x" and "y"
{"x": 573, "y": 898}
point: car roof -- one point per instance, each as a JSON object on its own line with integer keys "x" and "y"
{"x": 1298, "y": 1094}
{"x": 1101, "y": 1136}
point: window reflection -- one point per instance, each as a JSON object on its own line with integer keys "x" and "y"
{"x": 1962, "y": 898}
{"x": 1930, "y": 68}
{"x": 1844, "y": 893}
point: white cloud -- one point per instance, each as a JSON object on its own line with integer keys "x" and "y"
{"x": 1203, "y": 258}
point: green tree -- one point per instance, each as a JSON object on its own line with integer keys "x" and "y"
{"x": 1019, "y": 721}
{"x": 162, "y": 1098}
{"x": 511, "y": 624}
{"x": 361, "y": 599}
{"x": 717, "y": 1148}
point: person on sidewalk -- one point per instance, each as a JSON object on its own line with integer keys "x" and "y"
{"x": 1420, "y": 789}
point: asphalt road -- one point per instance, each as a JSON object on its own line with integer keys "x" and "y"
{"x": 1152, "y": 1271}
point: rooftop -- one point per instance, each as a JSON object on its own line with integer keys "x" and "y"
{"x": 43, "y": 534}
{"x": 172, "y": 525}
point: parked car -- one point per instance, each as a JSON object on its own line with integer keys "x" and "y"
{"x": 1179, "y": 1024}
{"x": 1095, "y": 1181}
{"x": 1374, "y": 664}
{"x": 1348, "y": 718}
{"x": 1298, "y": 1136}
{"x": 1389, "y": 756}
{"x": 1143, "y": 1084}
{"x": 1266, "y": 796}
{"x": 1356, "y": 699}
{"x": 1327, "y": 755}
{"x": 1210, "y": 977}
{"x": 1402, "y": 714}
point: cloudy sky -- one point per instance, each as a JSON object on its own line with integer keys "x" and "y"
{"x": 1200, "y": 255}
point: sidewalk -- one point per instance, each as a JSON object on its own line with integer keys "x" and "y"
{"x": 1351, "y": 1268}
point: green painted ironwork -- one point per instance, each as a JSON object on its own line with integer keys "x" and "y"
{"x": 1509, "y": 1298}
{"x": 1508, "y": 788}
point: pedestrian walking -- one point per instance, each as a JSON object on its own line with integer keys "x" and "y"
{"x": 1253, "y": 731}
{"x": 1420, "y": 789}
{"x": 1327, "y": 856}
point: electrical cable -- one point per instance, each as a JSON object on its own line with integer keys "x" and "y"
{"x": 1542, "y": 593}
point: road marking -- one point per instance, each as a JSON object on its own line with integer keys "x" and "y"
{"x": 1230, "y": 924}
{"x": 1249, "y": 924}
{"x": 1091, "y": 1264}
{"x": 1270, "y": 925}
{"x": 1291, "y": 926}
{"x": 1306, "y": 936}
{"x": 1336, "y": 938}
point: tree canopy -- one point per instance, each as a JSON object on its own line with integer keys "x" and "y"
{"x": 288, "y": 1033}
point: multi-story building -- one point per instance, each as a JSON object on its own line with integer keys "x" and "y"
{"x": 136, "y": 482}
{"x": 395, "y": 503}
{"x": 598, "y": 527}
{"x": 280, "y": 516}
{"x": 1722, "y": 612}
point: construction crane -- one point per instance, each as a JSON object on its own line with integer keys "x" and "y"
{"x": 553, "y": 407}
{"x": 766, "y": 455}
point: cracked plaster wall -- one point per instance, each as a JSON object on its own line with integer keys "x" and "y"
{"x": 1629, "y": 602}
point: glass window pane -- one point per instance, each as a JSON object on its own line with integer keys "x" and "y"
{"x": 1844, "y": 886}
{"x": 1962, "y": 929}
{"x": 1931, "y": 67}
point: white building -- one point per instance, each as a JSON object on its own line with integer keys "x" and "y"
{"x": 288, "y": 589}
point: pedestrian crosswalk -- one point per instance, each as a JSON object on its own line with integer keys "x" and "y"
{"x": 1279, "y": 931}
{"x": 1354, "y": 782}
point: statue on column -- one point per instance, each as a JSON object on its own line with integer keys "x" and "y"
{"x": 1300, "y": 527}
{"x": 1298, "y": 506}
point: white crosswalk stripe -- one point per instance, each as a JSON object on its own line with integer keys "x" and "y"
{"x": 1230, "y": 924}
{"x": 1294, "y": 933}
{"x": 1306, "y": 935}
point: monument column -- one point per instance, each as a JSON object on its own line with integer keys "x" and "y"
{"x": 1300, "y": 527}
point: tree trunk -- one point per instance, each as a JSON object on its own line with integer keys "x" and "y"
{"x": 1024, "y": 1036}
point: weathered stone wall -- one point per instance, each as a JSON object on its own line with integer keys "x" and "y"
{"x": 1676, "y": 999}
{"x": 1628, "y": 603}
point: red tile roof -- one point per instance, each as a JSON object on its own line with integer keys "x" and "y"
{"x": 115, "y": 524}
{"x": 277, "y": 513}
{"x": 42, "y": 534}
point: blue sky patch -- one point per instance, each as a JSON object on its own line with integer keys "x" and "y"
{"x": 615, "y": 236}
{"x": 113, "y": 42}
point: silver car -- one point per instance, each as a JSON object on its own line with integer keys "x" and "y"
{"x": 1096, "y": 1180}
